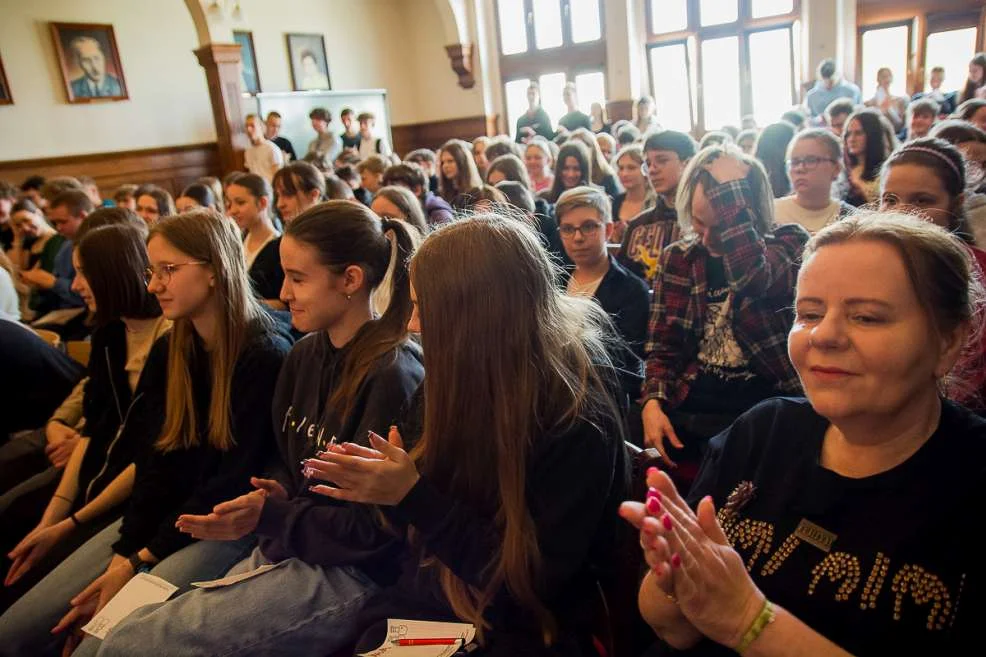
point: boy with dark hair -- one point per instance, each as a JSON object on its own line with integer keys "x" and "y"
{"x": 323, "y": 149}
{"x": 425, "y": 158}
{"x": 350, "y": 138}
{"x": 667, "y": 153}
{"x": 66, "y": 212}
{"x": 410, "y": 175}
{"x": 31, "y": 188}
{"x": 273, "y": 130}
{"x": 921, "y": 117}
{"x": 368, "y": 144}
{"x": 837, "y": 113}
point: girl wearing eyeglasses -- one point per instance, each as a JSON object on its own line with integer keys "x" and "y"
{"x": 221, "y": 361}
{"x": 814, "y": 163}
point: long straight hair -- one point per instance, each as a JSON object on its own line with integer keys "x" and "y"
{"x": 600, "y": 167}
{"x": 880, "y": 141}
{"x": 467, "y": 176}
{"x": 581, "y": 154}
{"x": 344, "y": 234}
{"x": 520, "y": 359}
{"x": 205, "y": 235}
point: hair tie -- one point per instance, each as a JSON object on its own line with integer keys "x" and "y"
{"x": 938, "y": 154}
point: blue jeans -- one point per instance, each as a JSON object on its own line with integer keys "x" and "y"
{"x": 26, "y": 627}
{"x": 293, "y": 609}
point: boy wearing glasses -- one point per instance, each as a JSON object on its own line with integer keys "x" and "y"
{"x": 585, "y": 225}
{"x": 814, "y": 162}
{"x": 667, "y": 153}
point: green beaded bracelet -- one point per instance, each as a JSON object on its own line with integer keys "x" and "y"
{"x": 760, "y": 623}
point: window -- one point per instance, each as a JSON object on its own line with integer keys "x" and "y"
{"x": 547, "y": 24}
{"x": 586, "y": 23}
{"x": 515, "y": 97}
{"x": 910, "y": 47}
{"x": 951, "y": 50}
{"x": 714, "y": 61}
{"x": 884, "y": 47}
{"x": 769, "y": 72}
{"x": 553, "y": 42}
{"x": 718, "y": 12}
{"x": 668, "y": 65}
{"x": 511, "y": 12}
{"x": 668, "y": 16}
{"x": 720, "y": 81}
{"x": 763, "y": 8}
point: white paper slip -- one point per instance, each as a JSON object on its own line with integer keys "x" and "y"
{"x": 398, "y": 629}
{"x": 142, "y": 590}
{"x": 233, "y": 579}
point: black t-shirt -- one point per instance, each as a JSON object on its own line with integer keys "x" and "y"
{"x": 285, "y": 145}
{"x": 539, "y": 122}
{"x": 266, "y": 274}
{"x": 891, "y": 564}
{"x": 575, "y": 120}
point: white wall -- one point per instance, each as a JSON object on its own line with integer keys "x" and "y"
{"x": 169, "y": 100}
{"x": 398, "y": 45}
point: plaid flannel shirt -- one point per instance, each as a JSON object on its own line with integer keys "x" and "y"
{"x": 761, "y": 272}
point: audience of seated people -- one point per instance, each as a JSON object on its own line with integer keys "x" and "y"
{"x": 568, "y": 290}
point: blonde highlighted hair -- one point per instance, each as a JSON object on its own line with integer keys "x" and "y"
{"x": 205, "y": 235}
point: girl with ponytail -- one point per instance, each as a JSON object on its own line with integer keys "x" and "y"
{"x": 351, "y": 375}
{"x": 508, "y": 498}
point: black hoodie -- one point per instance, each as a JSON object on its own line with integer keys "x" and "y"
{"x": 313, "y": 528}
{"x": 193, "y": 481}
{"x": 117, "y": 420}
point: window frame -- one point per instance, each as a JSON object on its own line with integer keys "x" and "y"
{"x": 911, "y": 36}
{"x": 569, "y": 58}
{"x": 742, "y": 28}
{"x": 923, "y": 24}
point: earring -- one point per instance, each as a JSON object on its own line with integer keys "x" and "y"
{"x": 349, "y": 297}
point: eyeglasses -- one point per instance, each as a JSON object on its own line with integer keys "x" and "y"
{"x": 165, "y": 272}
{"x": 588, "y": 229}
{"x": 809, "y": 163}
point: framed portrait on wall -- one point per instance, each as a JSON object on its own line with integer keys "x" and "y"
{"x": 6, "y": 97}
{"x": 248, "y": 61}
{"x": 89, "y": 62}
{"x": 309, "y": 65}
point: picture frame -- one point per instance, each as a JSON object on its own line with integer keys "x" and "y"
{"x": 309, "y": 63}
{"x": 6, "y": 96}
{"x": 248, "y": 61}
{"x": 89, "y": 61}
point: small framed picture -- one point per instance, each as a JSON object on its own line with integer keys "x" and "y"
{"x": 89, "y": 61}
{"x": 309, "y": 65}
{"x": 248, "y": 60}
{"x": 6, "y": 98}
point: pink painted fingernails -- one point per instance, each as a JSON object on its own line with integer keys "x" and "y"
{"x": 666, "y": 521}
{"x": 653, "y": 506}
{"x": 653, "y": 492}
{"x": 652, "y": 471}
{"x": 675, "y": 560}
{"x": 657, "y": 570}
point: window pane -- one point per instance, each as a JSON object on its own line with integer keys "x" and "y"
{"x": 763, "y": 8}
{"x": 669, "y": 86}
{"x": 952, "y": 51}
{"x": 886, "y": 47}
{"x": 515, "y": 95}
{"x": 547, "y": 23}
{"x": 717, "y": 12}
{"x": 513, "y": 27}
{"x": 668, "y": 16}
{"x": 585, "y": 20}
{"x": 552, "y": 85}
{"x": 770, "y": 74}
{"x": 720, "y": 82}
{"x": 591, "y": 88}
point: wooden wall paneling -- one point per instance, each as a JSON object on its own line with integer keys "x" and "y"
{"x": 171, "y": 167}
{"x": 433, "y": 134}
